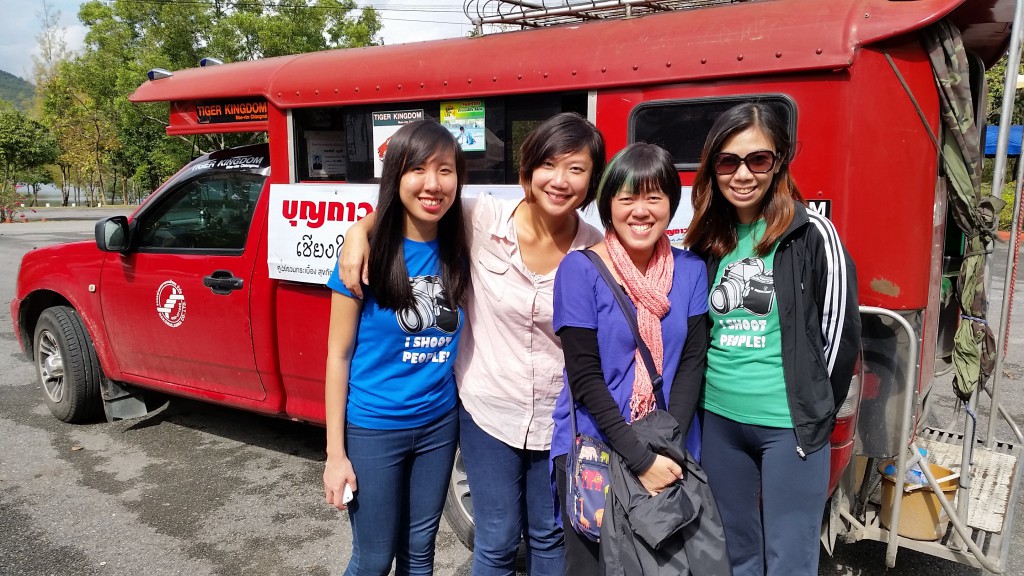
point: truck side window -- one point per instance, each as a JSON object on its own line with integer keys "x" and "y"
{"x": 339, "y": 143}
{"x": 208, "y": 213}
{"x": 680, "y": 126}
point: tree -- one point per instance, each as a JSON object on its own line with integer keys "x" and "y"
{"x": 995, "y": 78}
{"x": 85, "y": 98}
{"x": 25, "y": 146}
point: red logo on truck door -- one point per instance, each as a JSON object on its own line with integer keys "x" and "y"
{"x": 170, "y": 303}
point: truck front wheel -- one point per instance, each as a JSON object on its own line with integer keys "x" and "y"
{"x": 458, "y": 509}
{"x": 67, "y": 366}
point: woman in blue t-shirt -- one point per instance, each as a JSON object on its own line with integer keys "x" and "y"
{"x": 636, "y": 198}
{"x": 392, "y": 422}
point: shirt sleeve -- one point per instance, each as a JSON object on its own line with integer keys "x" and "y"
{"x": 575, "y": 302}
{"x": 690, "y": 374}
{"x": 335, "y": 283}
{"x": 587, "y": 385}
{"x": 837, "y": 304}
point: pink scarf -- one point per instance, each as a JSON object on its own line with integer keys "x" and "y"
{"x": 649, "y": 292}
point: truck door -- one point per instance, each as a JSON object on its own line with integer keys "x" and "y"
{"x": 176, "y": 307}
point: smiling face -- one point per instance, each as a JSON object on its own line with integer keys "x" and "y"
{"x": 640, "y": 220}
{"x": 427, "y": 191}
{"x": 559, "y": 185}
{"x": 744, "y": 189}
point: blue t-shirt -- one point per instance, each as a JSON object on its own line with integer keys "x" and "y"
{"x": 584, "y": 300}
{"x": 401, "y": 374}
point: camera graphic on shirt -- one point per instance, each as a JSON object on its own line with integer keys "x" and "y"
{"x": 745, "y": 284}
{"x": 429, "y": 309}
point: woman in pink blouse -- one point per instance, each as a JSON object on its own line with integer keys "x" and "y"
{"x": 509, "y": 365}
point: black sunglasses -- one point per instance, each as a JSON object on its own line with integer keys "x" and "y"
{"x": 758, "y": 162}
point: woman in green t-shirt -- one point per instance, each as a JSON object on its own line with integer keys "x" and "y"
{"x": 785, "y": 332}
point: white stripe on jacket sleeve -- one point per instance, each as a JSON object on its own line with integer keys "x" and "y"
{"x": 833, "y": 313}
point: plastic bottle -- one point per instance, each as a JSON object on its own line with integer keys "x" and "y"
{"x": 914, "y": 473}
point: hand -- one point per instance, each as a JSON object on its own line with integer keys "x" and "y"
{"x": 354, "y": 260}
{"x": 662, "y": 474}
{"x": 337, "y": 473}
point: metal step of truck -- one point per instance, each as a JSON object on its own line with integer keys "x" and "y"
{"x": 994, "y": 490}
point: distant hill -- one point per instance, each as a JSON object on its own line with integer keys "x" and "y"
{"x": 16, "y": 91}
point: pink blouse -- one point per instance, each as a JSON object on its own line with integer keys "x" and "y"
{"x": 509, "y": 365}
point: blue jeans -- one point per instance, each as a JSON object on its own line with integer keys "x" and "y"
{"x": 512, "y": 499}
{"x": 403, "y": 480}
{"x": 771, "y": 500}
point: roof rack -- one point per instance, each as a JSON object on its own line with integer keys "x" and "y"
{"x": 538, "y": 13}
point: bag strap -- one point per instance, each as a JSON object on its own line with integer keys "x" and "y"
{"x": 627, "y": 311}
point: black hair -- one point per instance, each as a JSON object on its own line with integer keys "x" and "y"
{"x": 713, "y": 228}
{"x": 638, "y": 168}
{"x": 563, "y": 133}
{"x": 412, "y": 145}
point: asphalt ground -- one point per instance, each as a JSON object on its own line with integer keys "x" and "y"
{"x": 202, "y": 489}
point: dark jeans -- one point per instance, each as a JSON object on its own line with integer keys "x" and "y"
{"x": 403, "y": 480}
{"x": 512, "y": 499}
{"x": 582, "y": 556}
{"x": 771, "y": 500}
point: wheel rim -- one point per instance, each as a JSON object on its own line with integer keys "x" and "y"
{"x": 460, "y": 488}
{"x": 51, "y": 366}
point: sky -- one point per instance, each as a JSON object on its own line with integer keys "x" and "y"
{"x": 404, "y": 21}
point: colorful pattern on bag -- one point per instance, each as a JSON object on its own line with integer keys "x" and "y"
{"x": 588, "y": 485}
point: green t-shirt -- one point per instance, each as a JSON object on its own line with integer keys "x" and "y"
{"x": 745, "y": 381}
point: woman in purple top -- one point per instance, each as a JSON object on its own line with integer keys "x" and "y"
{"x": 636, "y": 198}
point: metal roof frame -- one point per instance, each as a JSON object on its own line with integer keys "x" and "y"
{"x": 539, "y": 13}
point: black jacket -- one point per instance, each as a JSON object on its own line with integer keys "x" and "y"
{"x": 816, "y": 292}
{"x": 679, "y": 532}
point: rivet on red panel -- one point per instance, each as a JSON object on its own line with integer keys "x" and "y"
{"x": 399, "y": 86}
{"x": 778, "y": 54}
{"x": 703, "y": 60}
{"x": 818, "y": 51}
{"x": 494, "y": 78}
{"x": 739, "y": 57}
{"x": 635, "y": 67}
{"x": 668, "y": 64}
{"x": 573, "y": 72}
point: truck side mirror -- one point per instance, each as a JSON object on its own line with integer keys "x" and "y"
{"x": 112, "y": 234}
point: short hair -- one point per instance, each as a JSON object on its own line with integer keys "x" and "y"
{"x": 412, "y": 145}
{"x": 563, "y": 133}
{"x": 638, "y": 168}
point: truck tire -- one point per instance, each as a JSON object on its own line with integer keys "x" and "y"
{"x": 458, "y": 508}
{"x": 67, "y": 366}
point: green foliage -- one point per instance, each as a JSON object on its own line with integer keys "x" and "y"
{"x": 25, "y": 146}
{"x": 16, "y": 91}
{"x": 104, "y": 139}
{"x": 996, "y": 80}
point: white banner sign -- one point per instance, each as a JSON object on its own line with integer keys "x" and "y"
{"x": 307, "y": 223}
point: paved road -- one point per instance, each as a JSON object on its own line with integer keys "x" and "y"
{"x": 198, "y": 490}
{"x": 203, "y": 490}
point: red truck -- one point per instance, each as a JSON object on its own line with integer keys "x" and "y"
{"x": 213, "y": 288}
